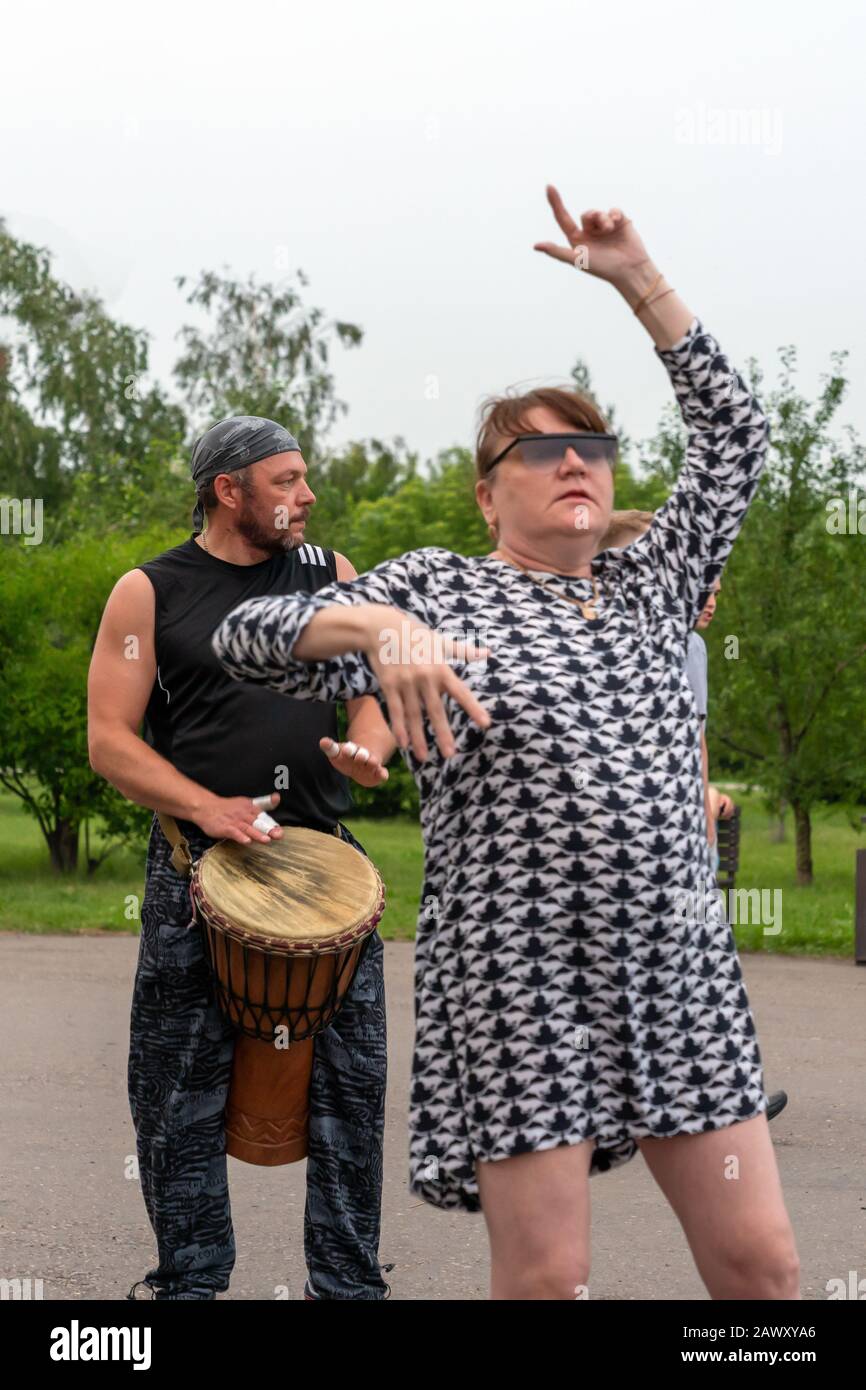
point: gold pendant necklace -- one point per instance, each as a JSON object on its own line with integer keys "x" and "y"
{"x": 587, "y": 606}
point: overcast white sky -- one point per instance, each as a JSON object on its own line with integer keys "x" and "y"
{"x": 400, "y": 153}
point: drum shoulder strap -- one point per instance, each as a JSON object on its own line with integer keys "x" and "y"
{"x": 181, "y": 855}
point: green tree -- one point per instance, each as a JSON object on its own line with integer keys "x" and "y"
{"x": 436, "y": 508}
{"x": 642, "y": 484}
{"x": 262, "y": 352}
{"x": 51, "y": 602}
{"x": 73, "y": 382}
{"x": 119, "y": 496}
{"x": 788, "y": 699}
{"x": 360, "y": 472}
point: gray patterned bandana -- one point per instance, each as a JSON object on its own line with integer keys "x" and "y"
{"x": 232, "y": 444}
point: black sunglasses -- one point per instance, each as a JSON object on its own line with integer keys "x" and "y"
{"x": 547, "y": 450}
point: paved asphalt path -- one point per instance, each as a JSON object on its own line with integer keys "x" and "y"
{"x": 70, "y": 1214}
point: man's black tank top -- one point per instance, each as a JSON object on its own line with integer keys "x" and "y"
{"x": 233, "y": 737}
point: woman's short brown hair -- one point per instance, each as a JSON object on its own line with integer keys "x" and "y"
{"x": 503, "y": 417}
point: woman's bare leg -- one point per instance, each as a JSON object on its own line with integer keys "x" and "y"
{"x": 536, "y": 1207}
{"x": 724, "y": 1187}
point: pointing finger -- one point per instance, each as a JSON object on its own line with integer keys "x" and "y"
{"x": 561, "y": 213}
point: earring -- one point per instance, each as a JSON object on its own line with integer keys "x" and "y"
{"x": 493, "y": 528}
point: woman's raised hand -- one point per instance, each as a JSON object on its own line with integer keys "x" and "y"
{"x": 412, "y": 665}
{"x": 605, "y": 245}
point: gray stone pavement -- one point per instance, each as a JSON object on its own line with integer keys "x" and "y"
{"x": 70, "y": 1215}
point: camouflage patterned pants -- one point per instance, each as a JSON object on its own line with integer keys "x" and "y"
{"x": 180, "y": 1061}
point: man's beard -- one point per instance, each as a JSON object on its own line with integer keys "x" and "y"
{"x": 255, "y": 534}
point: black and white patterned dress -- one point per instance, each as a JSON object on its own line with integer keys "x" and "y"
{"x": 564, "y": 989}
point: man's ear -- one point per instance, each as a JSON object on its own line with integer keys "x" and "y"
{"x": 224, "y": 486}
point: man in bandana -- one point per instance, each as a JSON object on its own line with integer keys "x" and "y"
{"x": 214, "y": 754}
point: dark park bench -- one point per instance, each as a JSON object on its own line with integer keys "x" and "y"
{"x": 728, "y": 841}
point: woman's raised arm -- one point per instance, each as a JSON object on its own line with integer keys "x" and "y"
{"x": 607, "y": 246}
{"x": 686, "y": 546}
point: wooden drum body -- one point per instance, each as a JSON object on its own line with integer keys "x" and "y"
{"x": 285, "y": 923}
{"x": 268, "y": 1110}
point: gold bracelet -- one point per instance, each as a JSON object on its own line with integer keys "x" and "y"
{"x": 659, "y": 296}
{"x": 645, "y": 297}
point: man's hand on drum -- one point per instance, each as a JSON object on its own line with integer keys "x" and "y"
{"x": 355, "y": 761}
{"x": 234, "y": 818}
{"x": 412, "y": 664}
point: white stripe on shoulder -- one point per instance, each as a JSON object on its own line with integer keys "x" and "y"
{"x": 312, "y": 554}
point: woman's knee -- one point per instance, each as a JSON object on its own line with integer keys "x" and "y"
{"x": 562, "y": 1275}
{"x": 764, "y": 1266}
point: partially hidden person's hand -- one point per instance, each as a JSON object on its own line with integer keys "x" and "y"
{"x": 604, "y": 244}
{"x": 355, "y": 761}
{"x": 233, "y": 818}
{"x": 412, "y": 664}
{"x": 726, "y": 806}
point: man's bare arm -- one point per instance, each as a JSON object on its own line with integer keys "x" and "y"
{"x": 122, "y": 674}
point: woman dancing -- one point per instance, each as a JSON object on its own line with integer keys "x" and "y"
{"x": 569, "y": 1009}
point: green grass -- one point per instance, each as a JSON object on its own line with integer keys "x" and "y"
{"x": 34, "y": 899}
{"x": 815, "y": 921}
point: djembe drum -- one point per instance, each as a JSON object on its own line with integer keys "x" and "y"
{"x": 285, "y": 923}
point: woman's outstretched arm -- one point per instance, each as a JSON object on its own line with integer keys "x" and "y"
{"x": 370, "y": 636}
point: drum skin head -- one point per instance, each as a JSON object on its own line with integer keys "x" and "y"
{"x": 306, "y": 886}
